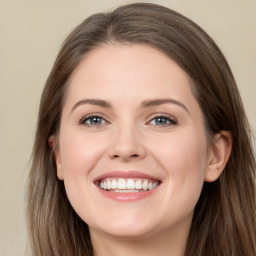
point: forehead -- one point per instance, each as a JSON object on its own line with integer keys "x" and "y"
{"x": 126, "y": 67}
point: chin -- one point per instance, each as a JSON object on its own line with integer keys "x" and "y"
{"x": 127, "y": 233}
{"x": 125, "y": 228}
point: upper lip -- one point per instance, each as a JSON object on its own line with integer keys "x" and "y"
{"x": 125, "y": 174}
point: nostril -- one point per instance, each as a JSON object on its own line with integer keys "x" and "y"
{"x": 131, "y": 156}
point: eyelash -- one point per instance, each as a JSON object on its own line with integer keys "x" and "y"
{"x": 167, "y": 118}
{"x": 90, "y": 117}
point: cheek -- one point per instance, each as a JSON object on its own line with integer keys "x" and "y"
{"x": 185, "y": 151}
{"x": 80, "y": 152}
{"x": 184, "y": 159}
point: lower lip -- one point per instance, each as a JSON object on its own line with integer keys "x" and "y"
{"x": 128, "y": 196}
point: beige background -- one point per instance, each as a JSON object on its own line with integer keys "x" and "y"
{"x": 30, "y": 35}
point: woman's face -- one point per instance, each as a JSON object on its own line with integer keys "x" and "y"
{"x": 132, "y": 147}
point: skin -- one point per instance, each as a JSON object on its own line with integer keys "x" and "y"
{"x": 127, "y": 137}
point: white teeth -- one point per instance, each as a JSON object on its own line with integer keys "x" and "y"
{"x": 109, "y": 184}
{"x": 155, "y": 184}
{"x": 105, "y": 185}
{"x": 131, "y": 184}
{"x": 126, "y": 190}
{"x": 138, "y": 184}
{"x": 145, "y": 185}
{"x": 114, "y": 184}
{"x": 121, "y": 184}
{"x": 127, "y": 185}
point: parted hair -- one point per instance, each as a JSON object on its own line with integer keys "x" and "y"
{"x": 224, "y": 218}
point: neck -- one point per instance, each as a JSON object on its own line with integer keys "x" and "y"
{"x": 163, "y": 244}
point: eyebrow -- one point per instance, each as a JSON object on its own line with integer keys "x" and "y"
{"x": 96, "y": 102}
{"x": 157, "y": 102}
{"x": 144, "y": 104}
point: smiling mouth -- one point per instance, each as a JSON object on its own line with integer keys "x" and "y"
{"x": 127, "y": 185}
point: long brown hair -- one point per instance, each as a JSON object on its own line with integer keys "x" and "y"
{"x": 224, "y": 217}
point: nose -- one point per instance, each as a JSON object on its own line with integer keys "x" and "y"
{"x": 127, "y": 145}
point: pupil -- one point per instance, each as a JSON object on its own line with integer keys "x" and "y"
{"x": 95, "y": 120}
{"x": 161, "y": 120}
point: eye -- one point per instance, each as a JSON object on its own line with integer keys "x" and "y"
{"x": 93, "y": 120}
{"x": 163, "y": 120}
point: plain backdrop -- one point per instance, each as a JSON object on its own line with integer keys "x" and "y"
{"x": 31, "y": 33}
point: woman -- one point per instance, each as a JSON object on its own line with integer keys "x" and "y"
{"x": 142, "y": 145}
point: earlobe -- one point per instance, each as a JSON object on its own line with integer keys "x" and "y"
{"x": 51, "y": 141}
{"x": 218, "y": 156}
{"x": 58, "y": 165}
{"x": 57, "y": 159}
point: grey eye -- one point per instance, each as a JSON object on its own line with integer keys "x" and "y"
{"x": 93, "y": 121}
{"x": 162, "y": 121}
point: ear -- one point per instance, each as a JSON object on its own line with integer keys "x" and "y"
{"x": 53, "y": 145}
{"x": 220, "y": 150}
